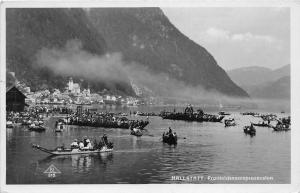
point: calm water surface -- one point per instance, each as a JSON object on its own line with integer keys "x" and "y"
{"x": 204, "y": 149}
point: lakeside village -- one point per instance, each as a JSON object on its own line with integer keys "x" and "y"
{"x": 74, "y": 94}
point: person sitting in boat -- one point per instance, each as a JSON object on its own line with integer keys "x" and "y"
{"x": 85, "y": 142}
{"x": 74, "y": 144}
{"x": 170, "y": 131}
{"x": 89, "y": 145}
{"x": 104, "y": 139}
{"x": 81, "y": 145}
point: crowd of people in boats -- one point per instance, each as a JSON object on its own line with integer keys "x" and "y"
{"x": 282, "y": 124}
{"x": 106, "y": 120}
{"x": 34, "y": 118}
{"x": 190, "y": 115}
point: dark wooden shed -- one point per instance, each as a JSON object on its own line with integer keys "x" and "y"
{"x": 15, "y": 100}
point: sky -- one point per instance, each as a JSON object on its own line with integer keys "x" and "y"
{"x": 238, "y": 37}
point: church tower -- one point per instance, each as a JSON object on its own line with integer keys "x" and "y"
{"x": 70, "y": 84}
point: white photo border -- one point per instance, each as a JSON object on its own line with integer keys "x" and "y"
{"x": 295, "y": 100}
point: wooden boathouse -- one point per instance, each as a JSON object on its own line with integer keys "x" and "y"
{"x": 15, "y": 100}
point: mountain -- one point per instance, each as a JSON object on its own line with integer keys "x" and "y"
{"x": 255, "y": 75}
{"x": 146, "y": 36}
{"x": 262, "y": 82}
{"x": 279, "y": 89}
{"x": 29, "y": 30}
{"x": 142, "y": 35}
{"x": 281, "y": 72}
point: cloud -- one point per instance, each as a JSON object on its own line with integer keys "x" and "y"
{"x": 216, "y": 34}
{"x": 73, "y": 60}
{"x": 237, "y": 36}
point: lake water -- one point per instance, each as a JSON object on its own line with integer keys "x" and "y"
{"x": 204, "y": 149}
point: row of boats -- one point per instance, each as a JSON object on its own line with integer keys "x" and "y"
{"x": 35, "y": 122}
{"x": 283, "y": 124}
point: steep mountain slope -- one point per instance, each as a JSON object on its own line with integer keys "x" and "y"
{"x": 29, "y": 30}
{"x": 146, "y": 36}
{"x": 142, "y": 35}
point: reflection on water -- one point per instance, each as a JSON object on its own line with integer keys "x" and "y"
{"x": 79, "y": 163}
{"x": 203, "y": 149}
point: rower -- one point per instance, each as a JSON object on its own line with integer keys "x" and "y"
{"x": 89, "y": 144}
{"x": 81, "y": 146}
{"x": 74, "y": 144}
{"x": 104, "y": 139}
{"x": 174, "y": 134}
{"x": 170, "y": 130}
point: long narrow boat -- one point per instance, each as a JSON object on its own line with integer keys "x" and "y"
{"x": 64, "y": 151}
{"x": 261, "y": 125}
{"x": 38, "y": 128}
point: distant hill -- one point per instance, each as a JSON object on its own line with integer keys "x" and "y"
{"x": 262, "y": 82}
{"x": 142, "y": 35}
{"x": 279, "y": 89}
{"x": 255, "y": 75}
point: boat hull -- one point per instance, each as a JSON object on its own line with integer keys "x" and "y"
{"x": 80, "y": 152}
{"x": 71, "y": 151}
{"x": 171, "y": 140}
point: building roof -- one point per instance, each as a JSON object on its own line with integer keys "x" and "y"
{"x": 14, "y": 88}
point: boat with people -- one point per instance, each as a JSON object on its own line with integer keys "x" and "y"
{"x": 106, "y": 120}
{"x": 36, "y": 127}
{"x": 269, "y": 117}
{"x": 82, "y": 147}
{"x": 59, "y": 126}
{"x": 170, "y": 137}
{"x": 223, "y": 113}
{"x": 69, "y": 151}
{"x": 250, "y": 130}
{"x": 261, "y": 124}
{"x": 190, "y": 115}
{"x": 281, "y": 126}
{"x": 9, "y": 124}
{"x": 136, "y": 131}
{"x": 254, "y": 114}
{"x": 286, "y": 120}
{"x": 146, "y": 114}
{"x": 229, "y": 122}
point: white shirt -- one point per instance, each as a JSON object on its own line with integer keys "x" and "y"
{"x": 89, "y": 146}
{"x": 74, "y": 143}
{"x": 81, "y": 145}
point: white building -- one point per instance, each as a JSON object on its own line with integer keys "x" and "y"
{"x": 73, "y": 87}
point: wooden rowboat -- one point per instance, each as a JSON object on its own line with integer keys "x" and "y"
{"x": 66, "y": 151}
{"x": 136, "y": 131}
